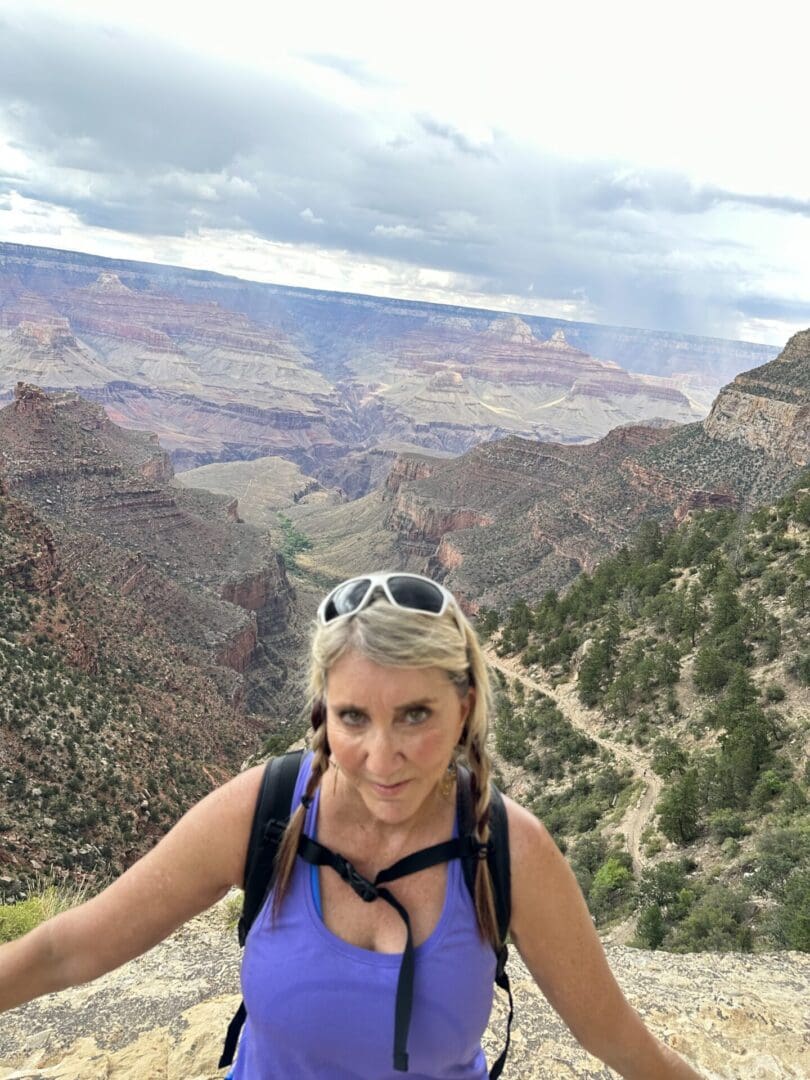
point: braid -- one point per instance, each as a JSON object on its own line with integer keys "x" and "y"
{"x": 288, "y": 849}
{"x": 484, "y": 895}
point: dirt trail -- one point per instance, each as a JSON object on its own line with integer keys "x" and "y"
{"x": 588, "y": 721}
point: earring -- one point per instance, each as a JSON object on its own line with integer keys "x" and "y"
{"x": 447, "y": 781}
{"x": 336, "y": 767}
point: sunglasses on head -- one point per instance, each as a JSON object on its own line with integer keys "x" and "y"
{"x": 409, "y": 591}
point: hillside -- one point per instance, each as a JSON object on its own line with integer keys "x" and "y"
{"x": 145, "y": 637}
{"x": 516, "y": 517}
{"x": 678, "y": 672}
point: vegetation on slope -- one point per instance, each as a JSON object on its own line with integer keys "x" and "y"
{"x": 689, "y": 648}
{"x": 108, "y": 731}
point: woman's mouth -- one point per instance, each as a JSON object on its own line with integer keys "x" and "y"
{"x": 388, "y": 791}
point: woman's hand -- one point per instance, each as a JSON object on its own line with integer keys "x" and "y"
{"x": 554, "y": 933}
{"x": 191, "y": 868}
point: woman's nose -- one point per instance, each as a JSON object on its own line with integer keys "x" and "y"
{"x": 383, "y": 755}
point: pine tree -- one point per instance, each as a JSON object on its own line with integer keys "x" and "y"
{"x": 679, "y": 809}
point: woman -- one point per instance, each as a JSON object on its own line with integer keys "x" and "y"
{"x": 400, "y": 694}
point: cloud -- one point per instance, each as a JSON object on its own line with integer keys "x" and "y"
{"x": 134, "y": 136}
{"x": 457, "y": 139}
{"x": 309, "y": 216}
{"x": 398, "y": 232}
{"x": 348, "y": 66}
{"x": 784, "y": 203}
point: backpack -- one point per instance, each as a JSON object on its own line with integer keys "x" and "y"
{"x": 270, "y": 819}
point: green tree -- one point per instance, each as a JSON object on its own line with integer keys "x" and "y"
{"x": 779, "y": 853}
{"x": 716, "y": 923}
{"x": 612, "y": 887}
{"x": 651, "y": 929}
{"x": 668, "y": 757}
{"x": 592, "y": 673}
{"x": 711, "y": 671}
{"x": 679, "y": 809}
{"x": 727, "y": 608}
{"x": 693, "y": 612}
{"x": 669, "y": 664}
{"x": 619, "y": 696}
{"x": 487, "y": 622}
{"x": 790, "y": 921}
{"x": 662, "y": 884}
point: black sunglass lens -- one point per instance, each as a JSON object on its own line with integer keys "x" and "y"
{"x": 415, "y": 594}
{"x": 346, "y": 599}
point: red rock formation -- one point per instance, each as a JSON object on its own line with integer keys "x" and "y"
{"x": 36, "y": 566}
{"x": 419, "y": 523}
{"x": 407, "y": 467}
{"x": 703, "y": 500}
{"x": 666, "y": 489}
{"x": 251, "y": 592}
{"x": 48, "y": 332}
{"x": 237, "y": 652}
{"x": 31, "y": 401}
{"x": 447, "y": 556}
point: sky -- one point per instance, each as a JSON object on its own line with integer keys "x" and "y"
{"x": 635, "y": 164}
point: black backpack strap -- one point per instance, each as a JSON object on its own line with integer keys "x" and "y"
{"x": 273, "y": 807}
{"x": 460, "y": 847}
{"x": 499, "y": 868}
{"x": 270, "y": 818}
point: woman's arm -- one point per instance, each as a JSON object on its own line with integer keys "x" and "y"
{"x": 191, "y": 868}
{"x": 554, "y": 933}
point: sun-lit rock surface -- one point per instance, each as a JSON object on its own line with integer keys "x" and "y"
{"x": 163, "y": 1016}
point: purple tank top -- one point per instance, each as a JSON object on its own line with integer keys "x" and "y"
{"x": 319, "y": 1008}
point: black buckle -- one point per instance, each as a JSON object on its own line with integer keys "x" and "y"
{"x": 274, "y": 831}
{"x": 364, "y": 888}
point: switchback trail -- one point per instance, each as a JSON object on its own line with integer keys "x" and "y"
{"x": 565, "y": 698}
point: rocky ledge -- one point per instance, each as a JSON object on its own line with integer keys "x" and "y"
{"x": 163, "y": 1016}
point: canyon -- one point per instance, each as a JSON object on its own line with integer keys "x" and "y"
{"x": 222, "y": 369}
{"x": 516, "y": 517}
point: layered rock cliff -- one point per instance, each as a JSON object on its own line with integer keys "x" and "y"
{"x": 515, "y": 517}
{"x": 768, "y": 409}
{"x": 223, "y": 369}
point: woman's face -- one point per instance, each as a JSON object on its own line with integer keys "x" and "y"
{"x": 392, "y": 732}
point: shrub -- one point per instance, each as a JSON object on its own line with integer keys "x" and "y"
{"x": 650, "y": 928}
{"x": 715, "y": 923}
{"x": 768, "y": 785}
{"x": 711, "y": 670}
{"x": 612, "y": 887}
{"x": 45, "y": 901}
{"x": 774, "y": 692}
{"x": 789, "y": 923}
{"x": 779, "y": 851}
{"x": 800, "y": 668}
{"x": 725, "y": 823}
{"x": 17, "y": 919}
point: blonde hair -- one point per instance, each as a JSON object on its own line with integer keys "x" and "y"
{"x": 396, "y": 637}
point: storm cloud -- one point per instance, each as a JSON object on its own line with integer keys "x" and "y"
{"x": 145, "y": 138}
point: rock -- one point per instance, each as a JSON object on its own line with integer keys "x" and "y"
{"x": 163, "y": 1016}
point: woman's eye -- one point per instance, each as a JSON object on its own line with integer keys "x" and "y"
{"x": 417, "y": 716}
{"x": 351, "y": 718}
